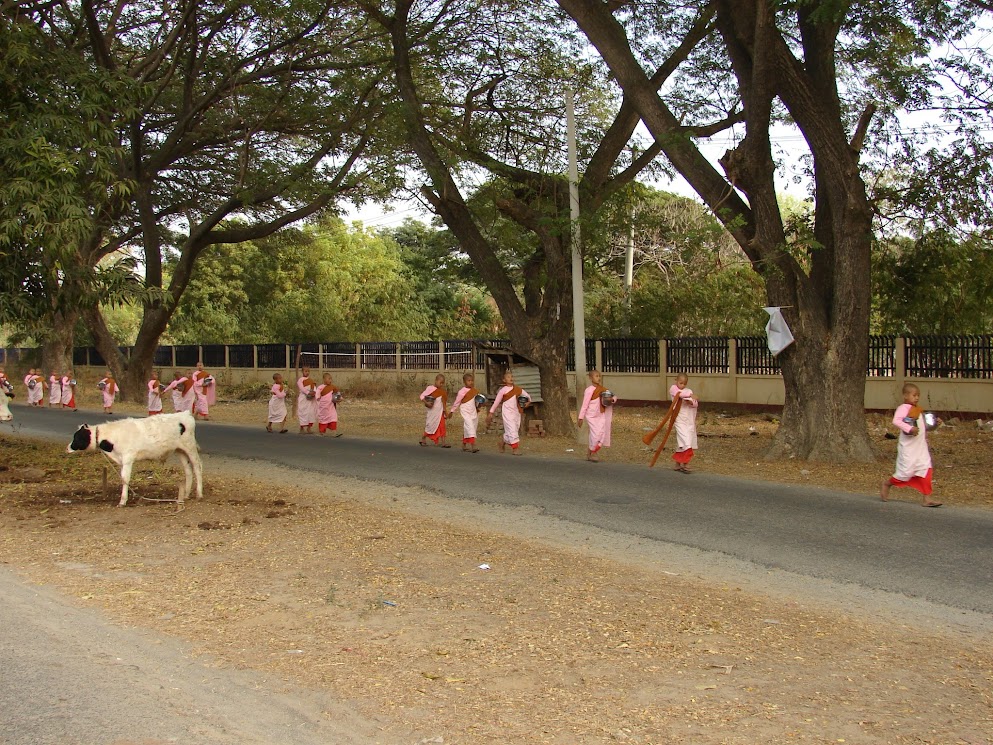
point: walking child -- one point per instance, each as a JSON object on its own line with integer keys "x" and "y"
{"x": 435, "y": 398}
{"x": 468, "y": 407}
{"x": 204, "y": 392}
{"x": 68, "y": 391}
{"x": 509, "y": 400}
{"x": 108, "y": 389}
{"x": 599, "y": 415}
{"x": 685, "y": 425}
{"x": 328, "y": 396}
{"x": 306, "y": 402}
{"x": 155, "y": 389}
{"x": 913, "y": 459}
{"x": 181, "y": 388}
{"x": 54, "y": 390}
{"x": 36, "y": 387}
{"x": 277, "y": 405}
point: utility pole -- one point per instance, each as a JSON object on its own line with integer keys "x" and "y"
{"x": 629, "y": 264}
{"x": 578, "y": 308}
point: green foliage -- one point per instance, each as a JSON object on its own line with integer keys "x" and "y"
{"x": 937, "y": 284}
{"x": 328, "y": 282}
{"x": 57, "y": 146}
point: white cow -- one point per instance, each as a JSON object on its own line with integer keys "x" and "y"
{"x": 156, "y": 438}
{"x": 6, "y": 396}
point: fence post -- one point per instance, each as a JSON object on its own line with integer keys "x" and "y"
{"x": 441, "y": 356}
{"x": 663, "y": 369}
{"x": 733, "y": 365}
{"x": 227, "y": 358}
{"x": 358, "y": 356}
{"x": 598, "y": 355}
{"x": 900, "y": 361}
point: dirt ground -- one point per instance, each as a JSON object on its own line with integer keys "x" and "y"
{"x": 375, "y": 596}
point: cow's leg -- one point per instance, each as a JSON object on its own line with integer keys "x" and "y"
{"x": 193, "y": 453}
{"x": 184, "y": 489}
{"x": 125, "y": 481}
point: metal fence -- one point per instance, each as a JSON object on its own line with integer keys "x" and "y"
{"x": 962, "y": 357}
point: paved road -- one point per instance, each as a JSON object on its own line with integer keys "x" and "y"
{"x": 942, "y": 555}
{"x": 67, "y": 677}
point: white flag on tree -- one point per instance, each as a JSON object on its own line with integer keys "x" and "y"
{"x": 777, "y": 332}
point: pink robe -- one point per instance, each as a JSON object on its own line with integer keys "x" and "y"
{"x": 598, "y": 419}
{"x": 435, "y": 417}
{"x": 154, "y": 397}
{"x": 277, "y": 404}
{"x": 470, "y": 416}
{"x": 685, "y": 426}
{"x": 37, "y": 394}
{"x": 913, "y": 459}
{"x": 68, "y": 392}
{"x": 54, "y": 390}
{"x": 109, "y": 393}
{"x": 306, "y": 407}
{"x": 205, "y": 395}
{"x": 181, "y": 401}
{"x": 510, "y": 413}
{"x": 327, "y": 412}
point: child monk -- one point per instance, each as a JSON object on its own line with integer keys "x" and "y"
{"x": 327, "y": 408}
{"x": 54, "y": 389}
{"x": 599, "y": 417}
{"x": 204, "y": 392}
{"x": 435, "y": 398}
{"x": 68, "y": 391}
{"x": 36, "y": 387}
{"x": 277, "y": 405}
{"x": 155, "y": 394}
{"x": 181, "y": 388}
{"x": 465, "y": 402}
{"x": 108, "y": 389}
{"x": 913, "y": 459}
{"x": 510, "y": 410}
{"x": 685, "y": 425}
{"x": 306, "y": 402}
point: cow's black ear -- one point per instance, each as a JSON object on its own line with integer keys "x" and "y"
{"x": 106, "y": 445}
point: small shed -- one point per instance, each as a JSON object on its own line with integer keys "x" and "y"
{"x": 498, "y": 360}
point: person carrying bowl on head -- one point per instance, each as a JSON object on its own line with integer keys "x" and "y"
{"x": 597, "y": 410}
{"x": 913, "y": 459}
{"x": 468, "y": 401}
{"x": 435, "y": 399}
{"x": 511, "y": 400}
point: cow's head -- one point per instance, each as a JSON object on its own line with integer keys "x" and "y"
{"x": 82, "y": 440}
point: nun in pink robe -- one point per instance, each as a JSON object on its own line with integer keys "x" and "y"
{"x": 685, "y": 426}
{"x": 204, "y": 391}
{"x": 506, "y": 401}
{"x": 54, "y": 390}
{"x": 68, "y": 391}
{"x": 277, "y": 405}
{"x": 598, "y": 417}
{"x": 109, "y": 392}
{"x": 154, "y": 397}
{"x": 306, "y": 407}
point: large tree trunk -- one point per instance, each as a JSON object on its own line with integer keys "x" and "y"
{"x": 56, "y": 349}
